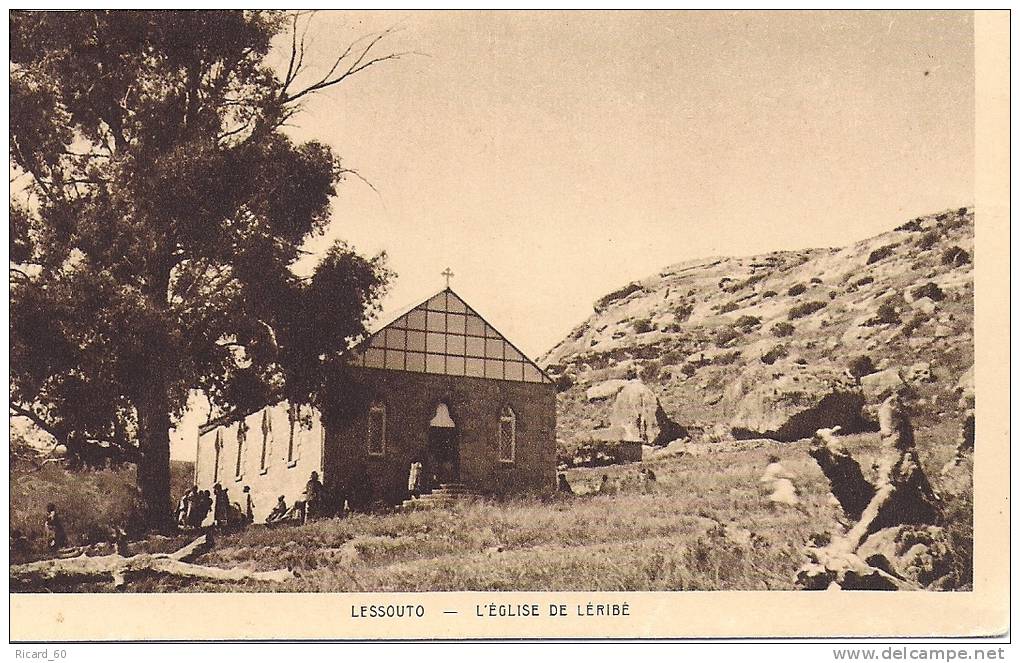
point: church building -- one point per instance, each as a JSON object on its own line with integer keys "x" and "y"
{"x": 437, "y": 385}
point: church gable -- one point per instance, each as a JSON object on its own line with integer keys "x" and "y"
{"x": 445, "y": 336}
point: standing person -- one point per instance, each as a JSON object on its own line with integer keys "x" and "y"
{"x": 200, "y": 511}
{"x": 313, "y": 496}
{"x": 184, "y": 506}
{"x": 56, "y": 538}
{"x": 221, "y": 506}
{"x": 777, "y": 479}
{"x": 562, "y": 485}
{"x": 249, "y": 506}
{"x": 414, "y": 480}
{"x": 604, "y": 486}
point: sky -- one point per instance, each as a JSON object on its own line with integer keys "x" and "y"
{"x": 548, "y": 158}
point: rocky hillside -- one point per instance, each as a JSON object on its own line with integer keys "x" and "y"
{"x": 777, "y": 345}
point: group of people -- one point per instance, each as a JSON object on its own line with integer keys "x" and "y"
{"x": 309, "y": 508}
{"x": 194, "y": 507}
{"x": 646, "y": 483}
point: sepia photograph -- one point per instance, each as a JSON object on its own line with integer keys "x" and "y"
{"x": 414, "y": 303}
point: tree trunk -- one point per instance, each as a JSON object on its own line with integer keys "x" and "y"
{"x": 121, "y": 570}
{"x": 154, "y": 420}
{"x": 154, "y": 465}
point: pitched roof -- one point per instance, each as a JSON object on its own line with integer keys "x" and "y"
{"x": 445, "y": 336}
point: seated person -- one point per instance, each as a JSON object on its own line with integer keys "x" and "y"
{"x": 279, "y": 511}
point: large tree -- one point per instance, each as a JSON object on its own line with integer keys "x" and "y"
{"x": 157, "y": 210}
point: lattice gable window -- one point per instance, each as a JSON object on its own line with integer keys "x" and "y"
{"x": 445, "y": 336}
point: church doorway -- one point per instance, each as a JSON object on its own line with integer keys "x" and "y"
{"x": 443, "y": 453}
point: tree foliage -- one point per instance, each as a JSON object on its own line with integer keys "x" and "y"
{"x": 157, "y": 211}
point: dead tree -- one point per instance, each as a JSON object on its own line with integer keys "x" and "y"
{"x": 120, "y": 570}
{"x": 846, "y": 479}
{"x": 900, "y": 496}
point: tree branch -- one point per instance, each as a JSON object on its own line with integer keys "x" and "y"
{"x": 360, "y": 63}
{"x": 22, "y": 411}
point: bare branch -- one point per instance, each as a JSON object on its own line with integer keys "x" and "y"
{"x": 351, "y": 171}
{"x": 359, "y": 62}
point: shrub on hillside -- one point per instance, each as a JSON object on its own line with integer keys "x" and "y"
{"x": 805, "y": 309}
{"x": 650, "y": 370}
{"x": 782, "y": 329}
{"x": 729, "y": 307}
{"x": 881, "y": 253}
{"x": 643, "y": 325}
{"x": 860, "y": 366}
{"x": 815, "y": 279}
{"x": 673, "y": 357}
{"x": 768, "y": 294}
{"x": 617, "y": 295}
{"x": 726, "y": 358}
{"x": 929, "y": 290}
{"x": 683, "y": 311}
{"x": 928, "y": 240}
{"x": 796, "y": 289}
{"x": 955, "y": 256}
{"x": 886, "y": 314}
{"x": 747, "y": 322}
{"x": 564, "y": 382}
{"x": 776, "y": 353}
{"x": 726, "y": 335}
{"x": 913, "y": 225}
{"x": 864, "y": 281}
{"x": 912, "y": 325}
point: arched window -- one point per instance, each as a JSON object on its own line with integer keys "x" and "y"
{"x": 507, "y": 435}
{"x": 217, "y": 450}
{"x": 242, "y": 434}
{"x": 267, "y": 440}
{"x": 377, "y": 429}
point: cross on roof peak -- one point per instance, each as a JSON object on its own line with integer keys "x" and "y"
{"x": 448, "y": 273}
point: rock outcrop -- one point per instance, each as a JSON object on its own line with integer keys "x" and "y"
{"x": 965, "y": 438}
{"x": 791, "y": 404}
{"x": 637, "y": 416}
{"x": 897, "y": 540}
{"x": 694, "y": 328}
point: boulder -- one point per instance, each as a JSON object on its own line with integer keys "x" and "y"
{"x": 965, "y": 389}
{"x": 924, "y": 305}
{"x": 791, "y": 403}
{"x": 604, "y": 390}
{"x": 881, "y": 385}
{"x": 919, "y": 342}
{"x": 637, "y": 416}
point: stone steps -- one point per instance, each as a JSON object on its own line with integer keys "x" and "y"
{"x": 448, "y": 494}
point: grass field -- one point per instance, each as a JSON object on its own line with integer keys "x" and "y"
{"x": 89, "y": 501}
{"x": 707, "y": 525}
